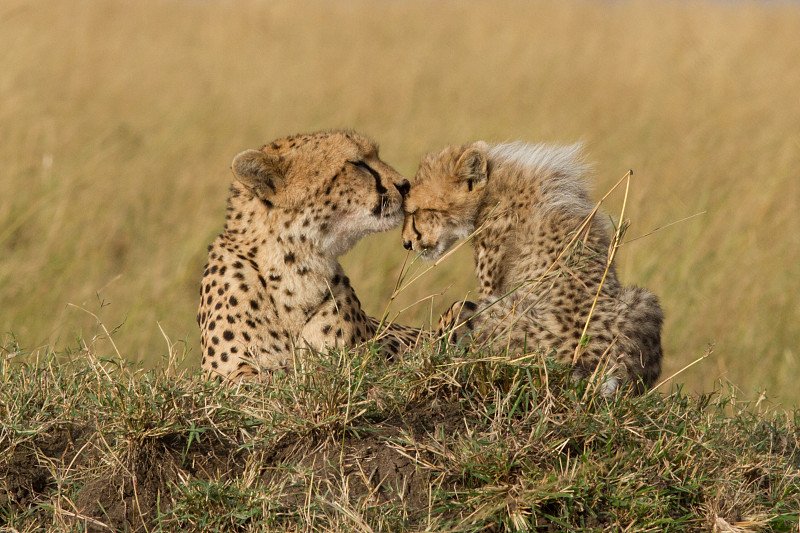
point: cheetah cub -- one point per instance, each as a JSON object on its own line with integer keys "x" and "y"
{"x": 273, "y": 282}
{"x": 539, "y": 267}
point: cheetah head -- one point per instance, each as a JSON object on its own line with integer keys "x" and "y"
{"x": 330, "y": 186}
{"x": 442, "y": 204}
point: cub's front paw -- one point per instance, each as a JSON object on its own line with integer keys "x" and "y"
{"x": 457, "y": 321}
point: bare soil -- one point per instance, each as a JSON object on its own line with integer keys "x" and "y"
{"x": 127, "y": 491}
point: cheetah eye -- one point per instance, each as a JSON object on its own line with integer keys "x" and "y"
{"x": 363, "y": 165}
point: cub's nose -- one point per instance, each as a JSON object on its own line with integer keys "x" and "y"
{"x": 404, "y": 186}
{"x": 407, "y": 245}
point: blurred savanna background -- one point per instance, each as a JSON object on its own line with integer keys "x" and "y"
{"x": 119, "y": 119}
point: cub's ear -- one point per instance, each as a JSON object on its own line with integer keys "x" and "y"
{"x": 471, "y": 169}
{"x": 264, "y": 174}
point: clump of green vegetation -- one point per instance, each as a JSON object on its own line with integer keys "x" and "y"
{"x": 442, "y": 440}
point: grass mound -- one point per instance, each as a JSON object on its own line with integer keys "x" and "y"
{"x": 440, "y": 441}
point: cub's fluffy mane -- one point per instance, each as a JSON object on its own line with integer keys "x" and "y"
{"x": 559, "y": 170}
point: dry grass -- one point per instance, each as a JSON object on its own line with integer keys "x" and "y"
{"x": 437, "y": 442}
{"x": 119, "y": 121}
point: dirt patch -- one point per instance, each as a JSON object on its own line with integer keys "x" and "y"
{"x": 369, "y": 467}
{"x": 27, "y": 473}
{"x": 128, "y": 489}
{"x": 378, "y": 463}
{"x": 23, "y": 479}
{"x": 131, "y": 497}
{"x": 127, "y": 501}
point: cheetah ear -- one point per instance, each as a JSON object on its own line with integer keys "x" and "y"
{"x": 471, "y": 170}
{"x": 264, "y": 174}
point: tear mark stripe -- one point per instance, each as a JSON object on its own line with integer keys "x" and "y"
{"x": 378, "y": 185}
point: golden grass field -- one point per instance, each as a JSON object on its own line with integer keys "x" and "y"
{"x": 118, "y": 122}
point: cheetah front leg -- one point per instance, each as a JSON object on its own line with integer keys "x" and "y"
{"x": 329, "y": 329}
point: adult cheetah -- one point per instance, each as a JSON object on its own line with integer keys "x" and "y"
{"x": 540, "y": 258}
{"x": 273, "y": 283}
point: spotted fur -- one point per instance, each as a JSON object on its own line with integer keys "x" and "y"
{"x": 273, "y": 284}
{"x": 540, "y": 258}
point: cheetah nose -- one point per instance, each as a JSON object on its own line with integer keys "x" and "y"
{"x": 404, "y": 186}
{"x": 407, "y": 245}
